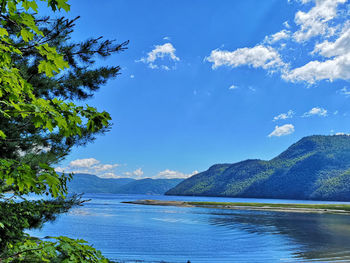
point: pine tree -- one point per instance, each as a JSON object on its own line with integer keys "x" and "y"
{"x": 42, "y": 71}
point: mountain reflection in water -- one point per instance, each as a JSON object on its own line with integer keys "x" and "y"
{"x": 128, "y": 233}
{"x": 320, "y": 236}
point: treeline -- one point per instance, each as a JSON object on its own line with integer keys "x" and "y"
{"x": 316, "y": 167}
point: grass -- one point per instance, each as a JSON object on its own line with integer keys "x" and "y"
{"x": 343, "y": 207}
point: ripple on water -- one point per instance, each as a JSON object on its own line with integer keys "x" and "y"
{"x": 129, "y": 233}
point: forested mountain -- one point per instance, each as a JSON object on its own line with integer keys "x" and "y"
{"x": 316, "y": 167}
{"x": 88, "y": 183}
{"x": 149, "y": 186}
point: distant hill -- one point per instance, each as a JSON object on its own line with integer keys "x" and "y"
{"x": 316, "y": 167}
{"x": 88, "y": 183}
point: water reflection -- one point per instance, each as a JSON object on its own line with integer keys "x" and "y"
{"x": 128, "y": 232}
{"x": 320, "y": 236}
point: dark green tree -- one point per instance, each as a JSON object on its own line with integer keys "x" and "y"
{"x": 42, "y": 71}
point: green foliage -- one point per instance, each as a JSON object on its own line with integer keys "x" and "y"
{"x": 61, "y": 250}
{"x": 15, "y": 217}
{"x": 335, "y": 207}
{"x": 316, "y": 167}
{"x": 20, "y": 104}
{"x": 41, "y": 71}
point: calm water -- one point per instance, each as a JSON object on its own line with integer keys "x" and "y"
{"x": 129, "y": 232}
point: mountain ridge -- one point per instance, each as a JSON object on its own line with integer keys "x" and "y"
{"x": 88, "y": 183}
{"x": 315, "y": 167}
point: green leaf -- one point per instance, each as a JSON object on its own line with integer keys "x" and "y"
{"x": 2, "y": 135}
{"x": 30, "y": 4}
{"x": 3, "y": 32}
{"x": 26, "y": 35}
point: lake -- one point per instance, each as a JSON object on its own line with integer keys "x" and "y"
{"x": 139, "y": 233}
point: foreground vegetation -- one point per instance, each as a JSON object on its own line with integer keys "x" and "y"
{"x": 42, "y": 70}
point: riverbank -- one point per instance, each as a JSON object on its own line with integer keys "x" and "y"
{"x": 297, "y": 208}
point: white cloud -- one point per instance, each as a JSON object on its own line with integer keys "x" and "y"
{"x": 283, "y": 34}
{"x": 137, "y": 174}
{"x": 166, "y": 174}
{"x": 284, "y": 116}
{"x": 335, "y": 66}
{"x": 104, "y": 167}
{"x": 315, "y": 21}
{"x": 165, "y": 67}
{"x": 84, "y": 163}
{"x": 110, "y": 175}
{"x": 282, "y": 130}
{"x": 251, "y": 89}
{"x": 323, "y": 30}
{"x": 169, "y": 174}
{"x": 233, "y": 87}
{"x": 259, "y": 56}
{"x": 37, "y": 149}
{"x": 89, "y": 166}
{"x": 160, "y": 52}
{"x": 332, "y": 69}
{"x": 344, "y": 91}
{"x": 342, "y": 133}
{"x": 60, "y": 169}
{"x": 316, "y": 111}
{"x": 341, "y": 46}
{"x": 132, "y": 76}
{"x": 286, "y": 24}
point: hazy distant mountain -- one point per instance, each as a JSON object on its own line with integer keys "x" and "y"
{"x": 88, "y": 183}
{"x": 149, "y": 186}
{"x": 316, "y": 167}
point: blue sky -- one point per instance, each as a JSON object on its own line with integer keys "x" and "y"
{"x": 207, "y": 82}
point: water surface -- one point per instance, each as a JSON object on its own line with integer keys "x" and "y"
{"x": 129, "y": 232}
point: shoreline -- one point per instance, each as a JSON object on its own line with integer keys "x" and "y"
{"x": 295, "y": 208}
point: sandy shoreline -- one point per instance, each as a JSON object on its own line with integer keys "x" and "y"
{"x": 296, "y": 208}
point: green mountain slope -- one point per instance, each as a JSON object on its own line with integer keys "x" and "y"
{"x": 316, "y": 167}
{"x": 88, "y": 183}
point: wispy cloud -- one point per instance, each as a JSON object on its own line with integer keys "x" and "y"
{"x": 251, "y": 88}
{"x": 323, "y": 28}
{"x": 283, "y": 34}
{"x": 160, "y": 53}
{"x": 137, "y": 174}
{"x": 284, "y": 116}
{"x": 282, "y": 130}
{"x": 344, "y": 91}
{"x": 90, "y": 166}
{"x": 342, "y": 133}
{"x": 165, "y": 174}
{"x": 286, "y": 24}
{"x": 170, "y": 174}
{"x": 316, "y": 111}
